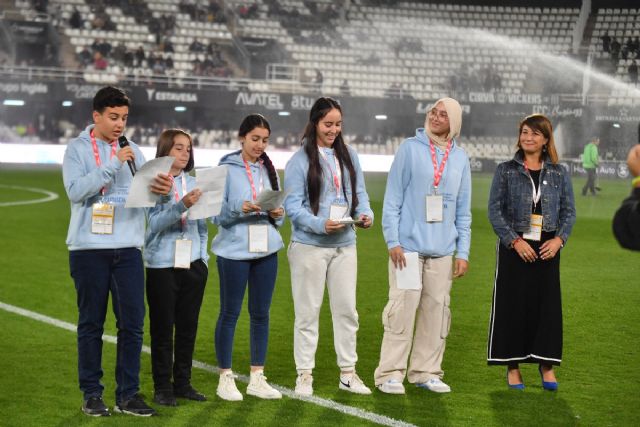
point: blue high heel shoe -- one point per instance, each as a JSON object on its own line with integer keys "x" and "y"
{"x": 519, "y": 386}
{"x": 547, "y": 385}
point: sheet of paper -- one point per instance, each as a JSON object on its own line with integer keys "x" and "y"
{"x": 270, "y": 200}
{"x": 140, "y": 195}
{"x": 348, "y": 220}
{"x": 211, "y": 182}
{"x": 409, "y": 276}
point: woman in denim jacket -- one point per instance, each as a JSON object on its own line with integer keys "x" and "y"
{"x": 531, "y": 209}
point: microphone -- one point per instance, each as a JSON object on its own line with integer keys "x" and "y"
{"x": 124, "y": 142}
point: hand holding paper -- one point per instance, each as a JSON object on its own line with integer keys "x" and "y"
{"x": 140, "y": 195}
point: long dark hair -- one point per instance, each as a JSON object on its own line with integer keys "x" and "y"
{"x": 319, "y": 110}
{"x": 249, "y": 123}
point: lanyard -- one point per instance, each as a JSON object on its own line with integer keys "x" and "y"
{"x": 536, "y": 194}
{"x": 437, "y": 172}
{"x": 254, "y": 194}
{"x": 183, "y": 217}
{"x": 337, "y": 176}
{"x": 96, "y": 154}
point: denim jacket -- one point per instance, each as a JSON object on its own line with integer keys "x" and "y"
{"x": 510, "y": 200}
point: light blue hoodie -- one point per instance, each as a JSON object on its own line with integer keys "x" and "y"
{"x": 409, "y": 181}
{"x": 232, "y": 240}
{"x": 308, "y": 228}
{"x": 83, "y": 180}
{"x": 165, "y": 227}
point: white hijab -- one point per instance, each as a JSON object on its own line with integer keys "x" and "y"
{"x": 454, "y": 111}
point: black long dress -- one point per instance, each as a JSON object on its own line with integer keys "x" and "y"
{"x": 526, "y": 313}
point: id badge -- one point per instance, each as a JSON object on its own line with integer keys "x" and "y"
{"x": 338, "y": 211}
{"x": 102, "y": 218}
{"x": 434, "y": 207}
{"x": 182, "y": 257}
{"x": 535, "y": 228}
{"x": 258, "y": 238}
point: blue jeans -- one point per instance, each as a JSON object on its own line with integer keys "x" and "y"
{"x": 96, "y": 273}
{"x": 234, "y": 275}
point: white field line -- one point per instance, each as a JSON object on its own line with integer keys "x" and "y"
{"x": 49, "y": 195}
{"x": 319, "y": 401}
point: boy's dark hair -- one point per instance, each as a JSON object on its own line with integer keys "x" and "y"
{"x": 110, "y": 96}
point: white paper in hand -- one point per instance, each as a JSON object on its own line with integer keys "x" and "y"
{"x": 409, "y": 277}
{"x": 140, "y": 195}
{"x": 269, "y": 200}
{"x": 211, "y": 182}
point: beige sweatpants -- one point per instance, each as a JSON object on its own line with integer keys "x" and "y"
{"x": 312, "y": 267}
{"x": 428, "y": 309}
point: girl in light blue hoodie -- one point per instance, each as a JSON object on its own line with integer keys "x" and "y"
{"x": 326, "y": 195}
{"x": 246, "y": 247}
{"x": 176, "y": 258}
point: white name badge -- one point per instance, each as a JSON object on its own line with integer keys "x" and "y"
{"x": 258, "y": 238}
{"x": 338, "y": 211}
{"x": 434, "y": 207}
{"x": 535, "y": 228}
{"x": 102, "y": 218}
{"x": 182, "y": 257}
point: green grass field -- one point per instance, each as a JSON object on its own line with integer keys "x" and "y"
{"x": 599, "y": 379}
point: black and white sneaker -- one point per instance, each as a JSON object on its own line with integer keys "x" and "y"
{"x": 95, "y": 407}
{"x": 352, "y": 382}
{"x": 135, "y": 406}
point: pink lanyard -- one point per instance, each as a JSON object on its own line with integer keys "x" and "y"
{"x": 437, "y": 172}
{"x": 337, "y": 177}
{"x": 254, "y": 194}
{"x": 96, "y": 154}
{"x": 183, "y": 217}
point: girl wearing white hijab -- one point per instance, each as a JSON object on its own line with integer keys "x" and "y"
{"x": 426, "y": 222}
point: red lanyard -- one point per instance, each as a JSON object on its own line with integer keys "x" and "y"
{"x": 250, "y": 176}
{"x": 183, "y": 217}
{"x": 437, "y": 172}
{"x": 337, "y": 177}
{"x": 96, "y": 154}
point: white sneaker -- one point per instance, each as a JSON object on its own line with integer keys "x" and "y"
{"x": 304, "y": 384}
{"x": 259, "y": 387}
{"x": 391, "y": 386}
{"x": 227, "y": 389}
{"x": 352, "y": 382}
{"x": 435, "y": 385}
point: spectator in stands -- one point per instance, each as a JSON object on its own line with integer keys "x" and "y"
{"x": 175, "y": 288}
{"x": 104, "y": 242}
{"x": 532, "y": 210}
{"x": 426, "y": 214}
{"x": 140, "y": 56}
{"x": 119, "y": 52}
{"x": 633, "y": 72}
{"x": 325, "y": 185}
{"x": 76, "y": 20}
{"x": 590, "y": 161}
{"x": 128, "y": 59}
{"x": 99, "y": 61}
{"x": 248, "y": 261}
{"x": 615, "y": 49}
{"x": 626, "y": 221}
{"x": 319, "y": 79}
{"x": 606, "y": 42}
{"x": 196, "y": 46}
{"x": 344, "y": 88}
{"x": 84, "y": 57}
{"x": 168, "y": 62}
{"x": 167, "y": 46}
